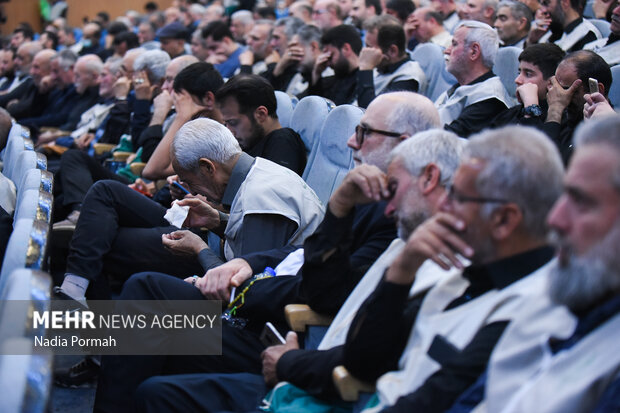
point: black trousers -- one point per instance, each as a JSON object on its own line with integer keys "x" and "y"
{"x": 119, "y": 234}
{"x": 78, "y": 172}
{"x": 121, "y": 375}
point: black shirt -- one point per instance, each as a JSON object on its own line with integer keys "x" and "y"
{"x": 284, "y": 147}
{"x": 338, "y": 89}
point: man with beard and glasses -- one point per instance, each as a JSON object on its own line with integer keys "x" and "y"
{"x": 561, "y": 352}
{"x": 248, "y": 107}
{"x": 341, "y": 47}
{"x": 565, "y": 96}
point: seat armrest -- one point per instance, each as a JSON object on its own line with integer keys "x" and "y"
{"x": 348, "y": 386}
{"x": 101, "y": 148}
{"x": 121, "y": 156}
{"x": 299, "y": 316}
{"x": 137, "y": 168}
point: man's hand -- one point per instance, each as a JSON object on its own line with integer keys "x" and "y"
{"x": 293, "y": 55}
{"x": 411, "y": 24}
{"x": 216, "y": 58}
{"x": 161, "y": 106}
{"x": 185, "y": 105}
{"x": 201, "y": 214}
{"x": 46, "y": 84}
{"x": 142, "y": 86}
{"x": 539, "y": 27}
{"x": 370, "y": 57}
{"x": 271, "y": 355}
{"x": 84, "y": 141}
{"x": 183, "y": 243}
{"x": 559, "y": 98}
{"x": 437, "y": 239}
{"x": 217, "y": 283}
{"x": 246, "y": 58}
{"x": 121, "y": 87}
{"x": 273, "y": 57}
{"x": 596, "y": 106}
{"x": 141, "y": 186}
{"x": 362, "y": 185}
{"x": 175, "y": 192}
{"x": 47, "y": 137}
{"x": 528, "y": 94}
{"x": 319, "y": 66}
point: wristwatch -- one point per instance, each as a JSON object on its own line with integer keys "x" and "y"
{"x": 533, "y": 111}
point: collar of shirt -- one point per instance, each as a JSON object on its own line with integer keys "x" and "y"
{"x": 500, "y": 274}
{"x": 588, "y": 321}
{"x": 479, "y": 79}
{"x": 612, "y": 38}
{"x": 391, "y": 68}
{"x": 573, "y": 25}
{"x": 239, "y": 173}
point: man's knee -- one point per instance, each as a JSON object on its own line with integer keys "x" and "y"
{"x": 151, "y": 394}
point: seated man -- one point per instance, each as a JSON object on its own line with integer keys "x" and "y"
{"x": 172, "y": 39}
{"x": 566, "y": 96}
{"x": 224, "y": 52}
{"x": 114, "y": 379}
{"x": 609, "y": 48}
{"x": 341, "y": 48}
{"x": 426, "y": 25}
{"x": 576, "y": 319}
{"x": 248, "y": 106}
{"x": 513, "y": 23}
{"x": 226, "y": 177}
{"x": 7, "y": 74}
{"x": 479, "y": 95}
{"x": 34, "y": 100}
{"x": 387, "y": 67}
{"x": 22, "y": 82}
{"x": 537, "y": 65}
{"x": 253, "y": 59}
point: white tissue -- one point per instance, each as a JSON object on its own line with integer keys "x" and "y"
{"x": 177, "y": 214}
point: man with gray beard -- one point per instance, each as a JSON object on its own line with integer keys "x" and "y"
{"x": 561, "y": 354}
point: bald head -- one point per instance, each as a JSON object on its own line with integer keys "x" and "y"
{"x": 411, "y": 113}
{"x": 24, "y": 56}
{"x": 86, "y": 72}
{"x": 174, "y": 67}
{"x": 41, "y": 65}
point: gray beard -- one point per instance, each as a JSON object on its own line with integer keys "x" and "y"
{"x": 586, "y": 281}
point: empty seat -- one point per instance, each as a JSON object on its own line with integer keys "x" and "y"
{"x": 431, "y": 58}
{"x": 602, "y": 26}
{"x": 333, "y": 158}
{"x": 507, "y": 67}
{"x": 285, "y": 108}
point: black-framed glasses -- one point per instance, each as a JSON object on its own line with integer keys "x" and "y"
{"x": 361, "y": 131}
{"x": 461, "y": 199}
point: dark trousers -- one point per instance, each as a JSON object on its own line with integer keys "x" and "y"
{"x": 119, "y": 234}
{"x": 78, "y": 172}
{"x": 208, "y": 393}
{"x": 121, "y": 375}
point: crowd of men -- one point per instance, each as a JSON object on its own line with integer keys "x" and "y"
{"x": 469, "y": 261}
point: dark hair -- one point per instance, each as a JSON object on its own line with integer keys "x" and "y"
{"x": 117, "y": 27}
{"x": 545, "y": 56}
{"x": 376, "y": 4}
{"x": 392, "y": 34}
{"x": 403, "y": 8}
{"x": 266, "y": 12}
{"x": 197, "y": 79}
{"x": 217, "y": 30}
{"x": 339, "y": 35}
{"x": 128, "y": 37}
{"x": 250, "y": 92}
{"x": 25, "y": 30}
{"x": 103, "y": 15}
{"x": 590, "y": 65}
{"x": 150, "y": 7}
{"x": 578, "y": 5}
{"x": 435, "y": 15}
{"x": 53, "y": 37}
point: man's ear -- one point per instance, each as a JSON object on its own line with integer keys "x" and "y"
{"x": 393, "y": 52}
{"x": 475, "y": 51}
{"x": 208, "y": 100}
{"x": 261, "y": 114}
{"x": 207, "y": 167}
{"x": 522, "y": 23}
{"x": 346, "y": 50}
{"x": 429, "y": 180}
{"x": 505, "y": 220}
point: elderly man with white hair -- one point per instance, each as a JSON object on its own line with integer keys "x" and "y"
{"x": 479, "y": 95}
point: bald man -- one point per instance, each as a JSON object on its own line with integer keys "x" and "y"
{"x": 23, "y": 82}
